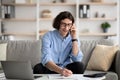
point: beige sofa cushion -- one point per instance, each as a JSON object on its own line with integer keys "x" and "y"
{"x": 102, "y": 57}
{"x": 3, "y": 48}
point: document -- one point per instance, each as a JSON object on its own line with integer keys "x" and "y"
{"x": 72, "y": 77}
{"x": 59, "y": 76}
{"x": 2, "y": 76}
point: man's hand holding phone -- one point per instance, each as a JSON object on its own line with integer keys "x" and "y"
{"x": 73, "y": 32}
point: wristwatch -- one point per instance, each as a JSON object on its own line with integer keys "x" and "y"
{"x": 74, "y": 40}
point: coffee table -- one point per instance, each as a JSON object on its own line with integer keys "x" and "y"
{"x": 59, "y": 77}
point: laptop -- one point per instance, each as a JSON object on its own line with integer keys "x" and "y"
{"x": 18, "y": 70}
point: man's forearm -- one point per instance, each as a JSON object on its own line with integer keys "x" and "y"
{"x": 53, "y": 67}
{"x": 75, "y": 48}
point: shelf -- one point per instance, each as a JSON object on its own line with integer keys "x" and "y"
{"x": 91, "y": 19}
{"x": 97, "y": 34}
{"x": 13, "y": 19}
{"x": 100, "y": 3}
{"x": 21, "y": 4}
{"x": 19, "y": 34}
{"x": 45, "y": 19}
{"x": 85, "y": 34}
{"x": 99, "y": 19}
{"x": 42, "y": 32}
{"x": 60, "y": 4}
{"x": 57, "y": 4}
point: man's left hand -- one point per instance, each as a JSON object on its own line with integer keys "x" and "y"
{"x": 73, "y": 32}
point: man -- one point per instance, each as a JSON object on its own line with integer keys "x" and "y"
{"x": 61, "y": 48}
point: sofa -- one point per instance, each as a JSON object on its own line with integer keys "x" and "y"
{"x": 31, "y": 50}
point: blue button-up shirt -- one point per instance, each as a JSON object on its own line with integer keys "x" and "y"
{"x": 57, "y": 49}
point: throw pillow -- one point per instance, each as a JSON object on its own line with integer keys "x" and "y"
{"x": 102, "y": 57}
{"x": 3, "y": 48}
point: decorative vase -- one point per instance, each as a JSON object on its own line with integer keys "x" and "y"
{"x": 54, "y": 1}
{"x": 29, "y": 1}
{"x": 46, "y": 14}
{"x": 63, "y": 1}
{"x": 105, "y": 30}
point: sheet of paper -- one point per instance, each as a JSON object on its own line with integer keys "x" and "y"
{"x": 2, "y": 76}
{"x": 58, "y": 76}
{"x": 73, "y": 77}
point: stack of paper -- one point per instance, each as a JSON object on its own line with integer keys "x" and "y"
{"x": 73, "y": 77}
{"x": 2, "y": 76}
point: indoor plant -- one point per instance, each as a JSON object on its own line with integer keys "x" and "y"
{"x": 105, "y": 26}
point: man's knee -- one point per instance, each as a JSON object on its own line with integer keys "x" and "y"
{"x": 37, "y": 68}
{"x": 79, "y": 67}
{"x": 76, "y": 67}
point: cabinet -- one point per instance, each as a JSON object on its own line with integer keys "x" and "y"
{"x": 28, "y": 22}
{"x": 91, "y": 24}
{"x": 23, "y": 25}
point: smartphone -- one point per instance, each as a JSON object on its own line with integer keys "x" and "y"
{"x": 70, "y": 30}
{"x": 95, "y": 75}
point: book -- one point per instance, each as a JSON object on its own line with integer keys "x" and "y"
{"x": 2, "y": 12}
{"x": 8, "y": 11}
{"x": 88, "y": 11}
{"x": 84, "y": 11}
{"x": 81, "y": 11}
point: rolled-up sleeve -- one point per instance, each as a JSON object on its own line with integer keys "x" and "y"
{"x": 79, "y": 56}
{"x": 46, "y": 51}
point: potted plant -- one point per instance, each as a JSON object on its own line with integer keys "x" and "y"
{"x": 105, "y": 26}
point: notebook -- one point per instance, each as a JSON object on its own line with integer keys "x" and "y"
{"x": 18, "y": 70}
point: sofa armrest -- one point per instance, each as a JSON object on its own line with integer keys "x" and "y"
{"x": 117, "y": 63}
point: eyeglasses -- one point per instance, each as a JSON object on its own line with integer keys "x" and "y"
{"x": 65, "y": 24}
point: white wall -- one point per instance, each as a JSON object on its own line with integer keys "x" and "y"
{"x": 118, "y": 23}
